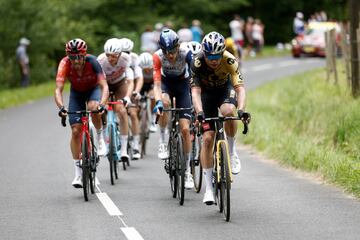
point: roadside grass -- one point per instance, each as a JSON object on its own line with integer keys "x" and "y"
{"x": 18, "y": 96}
{"x": 311, "y": 124}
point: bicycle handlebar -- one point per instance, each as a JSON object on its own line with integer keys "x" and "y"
{"x": 223, "y": 119}
{"x": 171, "y": 110}
{"x": 82, "y": 112}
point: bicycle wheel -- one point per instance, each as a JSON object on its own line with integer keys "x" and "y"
{"x": 129, "y": 149}
{"x": 85, "y": 166}
{"x": 111, "y": 153}
{"x": 225, "y": 180}
{"x": 196, "y": 168}
{"x": 144, "y": 132}
{"x": 94, "y": 159}
{"x": 172, "y": 166}
{"x": 180, "y": 170}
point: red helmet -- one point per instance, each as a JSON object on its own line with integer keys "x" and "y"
{"x": 76, "y": 46}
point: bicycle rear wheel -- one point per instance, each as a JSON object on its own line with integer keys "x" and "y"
{"x": 92, "y": 163}
{"x": 111, "y": 154}
{"x": 180, "y": 170}
{"x": 196, "y": 168}
{"x": 225, "y": 185}
{"x": 85, "y": 166}
{"x": 144, "y": 131}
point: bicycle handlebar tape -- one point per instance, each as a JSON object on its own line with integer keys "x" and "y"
{"x": 63, "y": 121}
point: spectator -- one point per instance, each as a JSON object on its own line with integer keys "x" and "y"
{"x": 23, "y": 61}
{"x": 299, "y": 26}
{"x": 196, "y": 30}
{"x": 258, "y": 35}
{"x": 185, "y": 34}
{"x": 158, "y": 28}
{"x": 148, "y": 41}
{"x": 248, "y": 34}
{"x": 236, "y": 28}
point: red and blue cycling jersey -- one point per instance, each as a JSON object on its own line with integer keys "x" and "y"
{"x": 92, "y": 73}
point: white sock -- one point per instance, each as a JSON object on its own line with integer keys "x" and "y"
{"x": 164, "y": 135}
{"x": 78, "y": 170}
{"x": 208, "y": 178}
{"x": 100, "y": 133}
{"x": 231, "y": 142}
{"x": 188, "y": 159}
{"x": 123, "y": 142}
{"x": 136, "y": 139}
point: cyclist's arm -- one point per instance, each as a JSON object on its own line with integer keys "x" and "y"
{"x": 196, "y": 84}
{"x": 196, "y": 98}
{"x": 104, "y": 91}
{"x": 157, "y": 77}
{"x": 100, "y": 79}
{"x": 60, "y": 82}
{"x": 241, "y": 97}
{"x": 237, "y": 82}
{"x": 139, "y": 80}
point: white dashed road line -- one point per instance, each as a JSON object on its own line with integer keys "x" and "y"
{"x": 130, "y": 232}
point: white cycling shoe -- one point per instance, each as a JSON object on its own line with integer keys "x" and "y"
{"x": 163, "y": 152}
{"x": 235, "y": 164}
{"x": 102, "y": 149}
{"x": 209, "y": 197}
{"x": 77, "y": 182}
{"x": 189, "y": 182}
{"x": 153, "y": 127}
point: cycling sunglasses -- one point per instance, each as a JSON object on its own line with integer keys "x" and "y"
{"x": 75, "y": 56}
{"x": 213, "y": 56}
{"x": 115, "y": 55}
{"x": 172, "y": 51}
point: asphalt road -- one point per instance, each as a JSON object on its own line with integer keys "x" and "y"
{"x": 38, "y": 202}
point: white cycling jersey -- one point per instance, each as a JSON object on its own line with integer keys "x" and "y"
{"x": 137, "y": 71}
{"x": 120, "y": 71}
{"x": 171, "y": 70}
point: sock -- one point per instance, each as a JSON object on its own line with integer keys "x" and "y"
{"x": 78, "y": 170}
{"x": 164, "y": 135}
{"x": 124, "y": 142}
{"x": 136, "y": 139}
{"x": 208, "y": 178}
{"x": 188, "y": 159}
{"x": 231, "y": 141}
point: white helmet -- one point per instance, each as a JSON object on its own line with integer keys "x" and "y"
{"x": 146, "y": 60}
{"x": 213, "y": 43}
{"x": 113, "y": 45}
{"x": 127, "y": 44}
{"x": 194, "y": 47}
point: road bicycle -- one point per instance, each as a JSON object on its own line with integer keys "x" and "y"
{"x": 222, "y": 176}
{"x": 195, "y": 164}
{"x": 113, "y": 140}
{"x": 89, "y": 156}
{"x": 175, "y": 164}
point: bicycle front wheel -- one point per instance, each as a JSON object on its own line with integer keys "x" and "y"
{"x": 111, "y": 154}
{"x": 144, "y": 132}
{"x": 180, "y": 170}
{"x": 225, "y": 185}
{"x": 196, "y": 168}
{"x": 85, "y": 166}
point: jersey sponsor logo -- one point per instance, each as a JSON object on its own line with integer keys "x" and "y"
{"x": 232, "y": 93}
{"x": 197, "y": 62}
{"x": 230, "y": 61}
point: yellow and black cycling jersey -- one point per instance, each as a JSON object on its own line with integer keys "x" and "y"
{"x": 231, "y": 47}
{"x": 207, "y": 78}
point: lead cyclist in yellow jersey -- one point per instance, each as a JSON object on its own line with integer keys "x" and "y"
{"x": 217, "y": 83}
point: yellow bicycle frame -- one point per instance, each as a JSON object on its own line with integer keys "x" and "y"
{"x": 218, "y": 157}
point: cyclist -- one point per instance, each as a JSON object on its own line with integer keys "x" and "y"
{"x": 127, "y": 46}
{"x": 216, "y": 83}
{"x": 193, "y": 46}
{"x": 146, "y": 64}
{"x": 88, "y": 84}
{"x": 171, "y": 79}
{"x": 119, "y": 76}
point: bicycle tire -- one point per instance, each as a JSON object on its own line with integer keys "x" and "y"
{"x": 225, "y": 181}
{"x": 111, "y": 154}
{"x": 180, "y": 170}
{"x": 172, "y": 167}
{"x": 129, "y": 150}
{"x": 92, "y": 164}
{"x": 144, "y": 132}
{"x": 85, "y": 166}
{"x": 196, "y": 168}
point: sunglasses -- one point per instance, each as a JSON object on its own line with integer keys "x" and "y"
{"x": 75, "y": 56}
{"x": 171, "y": 51}
{"x": 214, "y": 56}
{"x": 115, "y": 55}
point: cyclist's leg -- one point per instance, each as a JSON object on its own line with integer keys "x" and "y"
{"x": 76, "y": 103}
{"x": 135, "y": 128}
{"x": 93, "y": 103}
{"x": 120, "y": 91}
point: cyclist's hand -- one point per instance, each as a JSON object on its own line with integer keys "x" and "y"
{"x": 63, "y": 112}
{"x": 244, "y": 116}
{"x": 101, "y": 108}
{"x": 136, "y": 95}
{"x": 159, "y": 106}
{"x": 126, "y": 101}
{"x": 200, "y": 116}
